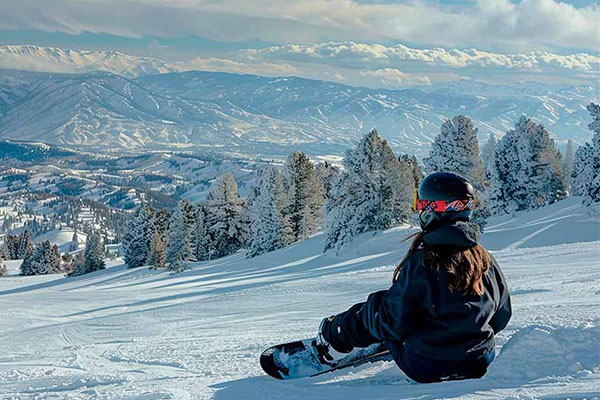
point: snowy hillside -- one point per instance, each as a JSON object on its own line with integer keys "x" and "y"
{"x": 120, "y": 181}
{"x": 260, "y": 116}
{"x": 142, "y": 334}
{"x": 51, "y": 59}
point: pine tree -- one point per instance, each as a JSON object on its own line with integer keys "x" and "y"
{"x": 56, "y": 259}
{"x": 372, "y": 193}
{"x": 270, "y": 228}
{"x": 226, "y": 220}
{"x": 189, "y": 219}
{"x": 410, "y": 163}
{"x": 581, "y": 175}
{"x": 28, "y": 267}
{"x": 568, "y": 165}
{"x": 488, "y": 154}
{"x": 93, "y": 256}
{"x": 25, "y": 245}
{"x": 204, "y": 244}
{"x": 74, "y": 242}
{"x": 178, "y": 246}
{"x": 157, "y": 252}
{"x": 94, "y": 253}
{"x": 327, "y": 173}
{"x": 43, "y": 260}
{"x": 456, "y": 149}
{"x": 4, "y": 249}
{"x": 161, "y": 223}
{"x": 11, "y": 247}
{"x": 306, "y": 195}
{"x": 137, "y": 239}
{"x": 586, "y": 168}
{"x": 528, "y": 171}
{"x": 593, "y": 192}
{"x": 3, "y": 270}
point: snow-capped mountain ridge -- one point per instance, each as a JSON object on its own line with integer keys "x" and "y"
{"x": 52, "y": 59}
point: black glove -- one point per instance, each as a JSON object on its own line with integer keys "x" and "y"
{"x": 327, "y": 351}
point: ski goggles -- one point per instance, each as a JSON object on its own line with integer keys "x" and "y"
{"x": 442, "y": 205}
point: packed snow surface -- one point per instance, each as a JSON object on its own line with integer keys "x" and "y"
{"x": 144, "y": 334}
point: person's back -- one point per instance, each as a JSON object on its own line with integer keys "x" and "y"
{"x": 448, "y": 298}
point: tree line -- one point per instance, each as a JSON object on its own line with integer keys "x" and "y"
{"x": 285, "y": 205}
{"x": 44, "y": 258}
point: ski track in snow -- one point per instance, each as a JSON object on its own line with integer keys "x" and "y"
{"x": 142, "y": 334}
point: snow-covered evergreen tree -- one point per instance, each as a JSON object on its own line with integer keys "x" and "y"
{"x": 189, "y": 219}
{"x": 93, "y": 256}
{"x": 593, "y": 192}
{"x": 528, "y": 171}
{"x": 226, "y": 220}
{"x": 29, "y": 266}
{"x": 456, "y": 149}
{"x": 137, "y": 238}
{"x": 306, "y": 195}
{"x": 5, "y": 250}
{"x": 25, "y": 245}
{"x": 178, "y": 245}
{"x": 372, "y": 193}
{"x": 3, "y": 270}
{"x": 488, "y": 154}
{"x": 161, "y": 223}
{"x": 586, "y": 167}
{"x": 157, "y": 257}
{"x": 581, "y": 175}
{"x": 56, "y": 259}
{"x": 270, "y": 228}
{"x": 411, "y": 163}
{"x": 74, "y": 242}
{"x": 43, "y": 260}
{"x": 568, "y": 165}
{"x": 327, "y": 173}
{"x": 204, "y": 244}
{"x": 94, "y": 252}
{"x": 11, "y": 246}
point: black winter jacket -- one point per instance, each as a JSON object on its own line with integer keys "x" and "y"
{"x": 420, "y": 312}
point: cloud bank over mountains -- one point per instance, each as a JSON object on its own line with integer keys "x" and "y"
{"x": 354, "y": 63}
{"x": 375, "y": 43}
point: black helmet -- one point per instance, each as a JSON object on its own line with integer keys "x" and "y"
{"x": 444, "y": 197}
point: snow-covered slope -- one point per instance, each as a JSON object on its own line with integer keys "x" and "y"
{"x": 62, "y": 238}
{"x": 142, "y": 334}
{"x": 260, "y": 116}
{"x": 51, "y": 59}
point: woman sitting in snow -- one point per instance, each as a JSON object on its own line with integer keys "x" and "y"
{"x": 448, "y": 298}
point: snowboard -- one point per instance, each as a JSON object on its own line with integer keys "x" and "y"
{"x": 300, "y": 360}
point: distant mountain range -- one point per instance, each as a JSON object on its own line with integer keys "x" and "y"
{"x": 52, "y": 59}
{"x": 138, "y": 104}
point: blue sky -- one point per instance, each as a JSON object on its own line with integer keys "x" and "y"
{"x": 371, "y": 42}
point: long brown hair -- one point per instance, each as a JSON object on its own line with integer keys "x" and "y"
{"x": 466, "y": 267}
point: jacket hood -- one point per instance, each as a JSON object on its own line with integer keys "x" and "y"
{"x": 461, "y": 234}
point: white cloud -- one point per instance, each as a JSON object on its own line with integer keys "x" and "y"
{"x": 360, "y": 55}
{"x": 226, "y": 65}
{"x": 529, "y": 25}
{"x": 395, "y": 77}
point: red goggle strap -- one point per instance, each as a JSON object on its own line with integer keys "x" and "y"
{"x": 443, "y": 206}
